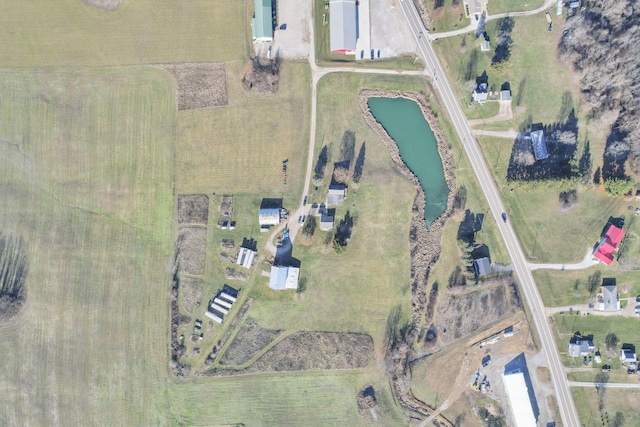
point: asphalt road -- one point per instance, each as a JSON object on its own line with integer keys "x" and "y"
{"x": 563, "y": 394}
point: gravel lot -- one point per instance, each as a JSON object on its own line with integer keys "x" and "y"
{"x": 389, "y": 30}
{"x": 294, "y": 41}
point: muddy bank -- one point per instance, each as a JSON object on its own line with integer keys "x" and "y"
{"x": 424, "y": 242}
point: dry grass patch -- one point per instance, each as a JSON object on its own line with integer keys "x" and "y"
{"x": 192, "y": 245}
{"x": 191, "y": 293}
{"x": 199, "y": 85}
{"x": 193, "y": 209}
{"x": 248, "y": 342}
{"x": 462, "y": 314}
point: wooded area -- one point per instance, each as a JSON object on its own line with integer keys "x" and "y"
{"x": 602, "y": 42}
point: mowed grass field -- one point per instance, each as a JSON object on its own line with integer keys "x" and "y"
{"x": 239, "y": 148}
{"x": 533, "y": 64}
{"x": 67, "y": 32}
{"x": 87, "y": 181}
{"x": 625, "y": 401}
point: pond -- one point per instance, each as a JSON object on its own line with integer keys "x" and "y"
{"x": 404, "y": 122}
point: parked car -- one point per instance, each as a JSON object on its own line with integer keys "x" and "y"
{"x": 606, "y": 368}
{"x": 486, "y": 360}
{"x": 638, "y": 309}
{"x": 638, "y": 298}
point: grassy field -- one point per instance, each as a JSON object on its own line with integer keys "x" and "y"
{"x": 557, "y": 287}
{"x": 240, "y": 147}
{"x": 449, "y": 17}
{"x": 87, "y": 180}
{"x": 533, "y": 65}
{"x": 625, "y": 401}
{"x": 64, "y": 33}
{"x": 626, "y": 328}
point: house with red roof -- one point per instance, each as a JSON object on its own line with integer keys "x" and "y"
{"x": 608, "y": 244}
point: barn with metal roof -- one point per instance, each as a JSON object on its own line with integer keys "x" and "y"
{"x": 343, "y": 26}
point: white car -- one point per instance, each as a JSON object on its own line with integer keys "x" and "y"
{"x": 638, "y": 310}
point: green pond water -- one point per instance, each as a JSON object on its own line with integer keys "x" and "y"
{"x": 404, "y": 122}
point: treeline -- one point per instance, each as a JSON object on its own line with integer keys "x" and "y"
{"x": 603, "y": 45}
{"x": 14, "y": 267}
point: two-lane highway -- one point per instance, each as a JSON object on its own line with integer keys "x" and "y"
{"x": 563, "y": 394}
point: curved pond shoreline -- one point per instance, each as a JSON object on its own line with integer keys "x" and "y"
{"x": 425, "y": 243}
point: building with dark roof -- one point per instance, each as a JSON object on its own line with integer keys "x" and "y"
{"x": 326, "y": 222}
{"x": 343, "y": 26}
{"x": 539, "y": 144}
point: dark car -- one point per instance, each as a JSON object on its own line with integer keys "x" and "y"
{"x": 361, "y": 54}
{"x": 486, "y": 360}
{"x": 373, "y": 52}
{"x": 638, "y": 298}
{"x": 504, "y": 216}
{"x": 606, "y": 368}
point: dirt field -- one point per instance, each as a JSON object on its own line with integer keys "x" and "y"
{"x": 226, "y": 210}
{"x": 104, "y": 4}
{"x": 192, "y": 246}
{"x": 461, "y": 314}
{"x": 191, "y": 293}
{"x": 193, "y": 209}
{"x": 199, "y": 85}
{"x": 314, "y": 350}
{"x": 249, "y": 341}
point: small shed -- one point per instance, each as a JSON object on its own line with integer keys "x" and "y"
{"x": 482, "y": 266}
{"x": 505, "y": 96}
{"x": 326, "y": 222}
{"x": 246, "y": 257}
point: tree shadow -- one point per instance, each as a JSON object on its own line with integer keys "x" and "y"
{"x": 561, "y": 145}
{"x": 616, "y": 152}
{"x": 469, "y": 226}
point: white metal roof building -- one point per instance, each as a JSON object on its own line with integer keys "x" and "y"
{"x": 516, "y": 387}
{"x": 283, "y": 277}
{"x": 269, "y": 216}
{"x": 343, "y": 26}
{"x": 336, "y": 194}
{"x": 245, "y": 257}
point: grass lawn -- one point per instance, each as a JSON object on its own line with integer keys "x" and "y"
{"x": 627, "y": 329}
{"x": 557, "y": 287}
{"x": 625, "y": 401}
{"x": 64, "y": 33}
{"x": 543, "y": 225}
{"x": 87, "y": 181}
{"x": 533, "y": 66}
{"x": 240, "y": 147}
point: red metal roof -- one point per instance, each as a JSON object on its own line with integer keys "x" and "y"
{"x": 615, "y": 235}
{"x": 608, "y": 245}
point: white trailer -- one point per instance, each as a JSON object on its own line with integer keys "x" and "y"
{"x": 212, "y": 316}
{"x": 222, "y": 303}
{"x": 228, "y": 297}
{"x": 219, "y": 308}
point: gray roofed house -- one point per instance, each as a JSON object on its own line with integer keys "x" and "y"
{"x": 336, "y": 194}
{"x": 343, "y": 26}
{"x": 326, "y": 222}
{"x": 539, "y": 144}
{"x": 480, "y": 93}
{"x": 262, "y": 24}
{"x": 579, "y": 348}
{"x": 608, "y": 298}
{"x": 482, "y": 266}
{"x": 505, "y": 96}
